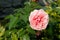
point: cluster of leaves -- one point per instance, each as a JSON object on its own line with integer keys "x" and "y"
{"x": 16, "y": 27}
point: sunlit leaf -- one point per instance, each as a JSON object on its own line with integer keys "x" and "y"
{"x": 2, "y": 31}
{"x": 21, "y": 32}
{"x": 14, "y": 36}
{"x": 25, "y": 37}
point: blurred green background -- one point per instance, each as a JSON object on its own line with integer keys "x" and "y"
{"x": 16, "y": 26}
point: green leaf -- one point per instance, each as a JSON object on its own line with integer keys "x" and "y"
{"x": 30, "y": 30}
{"x": 14, "y": 36}
{"x": 50, "y": 31}
{"x": 25, "y": 37}
{"x": 21, "y": 32}
{"x": 2, "y": 31}
{"x": 1, "y": 38}
{"x": 5, "y": 38}
{"x": 7, "y": 33}
{"x": 58, "y": 1}
{"x": 13, "y": 22}
{"x": 59, "y": 36}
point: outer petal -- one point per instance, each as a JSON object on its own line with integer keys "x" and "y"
{"x": 32, "y": 14}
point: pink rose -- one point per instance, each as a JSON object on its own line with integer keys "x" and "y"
{"x": 38, "y": 19}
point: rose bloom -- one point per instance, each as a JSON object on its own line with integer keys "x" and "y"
{"x": 38, "y": 19}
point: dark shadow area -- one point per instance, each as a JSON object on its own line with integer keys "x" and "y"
{"x": 7, "y": 6}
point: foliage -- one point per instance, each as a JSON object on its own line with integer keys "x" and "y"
{"x": 16, "y": 27}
